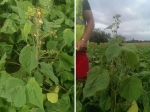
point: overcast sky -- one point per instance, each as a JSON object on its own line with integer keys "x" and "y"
{"x": 135, "y": 17}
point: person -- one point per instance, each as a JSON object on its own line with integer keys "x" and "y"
{"x": 84, "y": 28}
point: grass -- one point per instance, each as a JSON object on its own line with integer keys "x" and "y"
{"x": 139, "y": 45}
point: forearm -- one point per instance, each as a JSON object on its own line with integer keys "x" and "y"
{"x": 88, "y": 30}
{"x": 88, "y": 16}
{"x": 90, "y": 24}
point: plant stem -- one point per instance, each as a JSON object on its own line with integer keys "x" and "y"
{"x": 63, "y": 88}
{"x": 13, "y": 63}
{"x": 111, "y": 85}
{"x": 37, "y": 42}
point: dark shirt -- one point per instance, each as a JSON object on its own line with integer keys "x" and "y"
{"x": 86, "y": 5}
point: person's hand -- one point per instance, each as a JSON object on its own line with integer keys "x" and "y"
{"x": 81, "y": 45}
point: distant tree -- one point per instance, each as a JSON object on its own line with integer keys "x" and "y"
{"x": 99, "y": 36}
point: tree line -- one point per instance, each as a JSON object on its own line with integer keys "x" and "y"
{"x": 98, "y": 36}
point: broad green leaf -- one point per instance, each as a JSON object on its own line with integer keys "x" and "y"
{"x": 131, "y": 60}
{"x": 5, "y": 48}
{"x": 67, "y": 76}
{"x": 11, "y": 109}
{"x": 115, "y": 41}
{"x": 23, "y": 8}
{"x": 26, "y": 30}
{"x": 131, "y": 88}
{"x": 35, "y": 110}
{"x": 59, "y": 13}
{"x": 105, "y": 102}
{"x": 134, "y": 107}
{"x": 69, "y": 22}
{"x": 28, "y": 58}
{"x": 14, "y": 17}
{"x": 59, "y": 21}
{"x": 14, "y": 8}
{"x": 68, "y": 36}
{"x": 97, "y": 80}
{"x": 34, "y": 93}
{"x": 129, "y": 48}
{"x": 52, "y": 97}
{"x": 51, "y": 45}
{"x": 9, "y": 27}
{"x": 38, "y": 77}
{"x": 62, "y": 105}
{"x": 3, "y": 79}
{"x": 3, "y": 2}
{"x": 26, "y": 108}
{"x": 46, "y": 4}
{"x": 48, "y": 69}
{"x": 112, "y": 51}
{"x": 66, "y": 61}
{"x": 47, "y": 26}
{"x": 16, "y": 91}
{"x": 5, "y": 15}
{"x": 2, "y": 61}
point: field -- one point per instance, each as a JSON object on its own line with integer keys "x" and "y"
{"x": 139, "y": 45}
{"x": 118, "y": 80}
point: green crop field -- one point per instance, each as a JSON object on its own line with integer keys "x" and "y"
{"x": 140, "y": 45}
{"x": 119, "y": 78}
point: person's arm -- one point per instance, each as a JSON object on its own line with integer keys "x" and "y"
{"x": 89, "y": 28}
{"x": 90, "y": 24}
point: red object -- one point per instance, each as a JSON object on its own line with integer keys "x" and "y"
{"x": 82, "y": 64}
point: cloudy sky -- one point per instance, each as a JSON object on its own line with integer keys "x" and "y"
{"x": 135, "y": 17}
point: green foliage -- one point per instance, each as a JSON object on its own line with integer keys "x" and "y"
{"x": 62, "y": 105}
{"x": 36, "y": 55}
{"x": 97, "y": 80}
{"x": 16, "y": 91}
{"x": 48, "y": 70}
{"x": 128, "y": 73}
{"x": 124, "y": 87}
{"x": 28, "y": 58}
{"x": 128, "y": 85}
{"x": 34, "y": 93}
{"x": 9, "y": 27}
